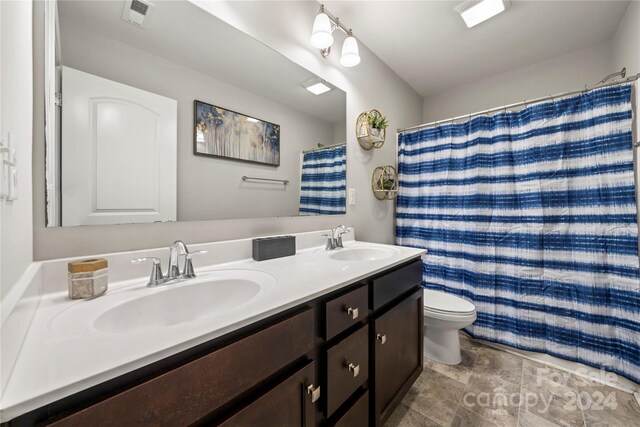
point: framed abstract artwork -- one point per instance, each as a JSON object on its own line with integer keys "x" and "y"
{"x": 219, "y": 132}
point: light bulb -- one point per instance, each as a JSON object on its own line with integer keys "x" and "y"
{"x": 350, "y": 55}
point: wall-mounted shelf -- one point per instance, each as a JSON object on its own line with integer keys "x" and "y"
{"x": 368, "y": 136}
{"x": 384, "y": 182}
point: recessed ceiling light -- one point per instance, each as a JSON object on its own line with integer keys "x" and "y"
{"x": 317, "y": 86}
{"x": 474, "y": 12}
{"x": 251, "y": 119}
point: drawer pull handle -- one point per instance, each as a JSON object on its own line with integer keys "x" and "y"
{"x": 354, "y": 368}
{"x": 381, "y": 338}
{"x": 314, "y": 392}
{"x": 353, "y": 312}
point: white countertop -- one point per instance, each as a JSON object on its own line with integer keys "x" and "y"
{"x": 62, "y": 355}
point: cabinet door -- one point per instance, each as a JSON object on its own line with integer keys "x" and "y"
{"x": 397, "y": 353}
{"x": 289, "y": 404}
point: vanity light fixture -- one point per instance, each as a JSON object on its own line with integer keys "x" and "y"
{"x": 474, "y": 12}
{"x": 322, "y": 38}
{"x": 317, "y": 86}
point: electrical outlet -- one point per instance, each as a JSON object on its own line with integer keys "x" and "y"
{"x": 352, "y": 197}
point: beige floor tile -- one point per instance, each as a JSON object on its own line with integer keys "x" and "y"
{"x": 492, "y": 362}
{"x": 439, "y": 400}
{"x": 536, "y": 375}
{"x": 557, "y": 404}
{"x": 460, "y": 372}
{"x": 606, "y": 406}
{"x": 527, "y": 419}
{"x": 406, "y": 417}
{"x": 491, "y": 387}
{"x": 493, "y": 398}
{"x": 467, "y": 418}
{"x": 468, "y": 343}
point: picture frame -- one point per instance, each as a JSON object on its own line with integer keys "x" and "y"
{"x": 223, "y": 133}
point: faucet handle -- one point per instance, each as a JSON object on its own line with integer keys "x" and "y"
{"x": 188, "y": 265}
{"x": 330, "y": 241}
{"x": 156, "y": 261}
{"x": 339, "y": 231}
{"x": 156, "y": 270}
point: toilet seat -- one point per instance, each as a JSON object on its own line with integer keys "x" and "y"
{"x": 441, "y": 303}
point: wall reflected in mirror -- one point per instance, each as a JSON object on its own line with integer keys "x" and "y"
{"x": 125, "y": 142}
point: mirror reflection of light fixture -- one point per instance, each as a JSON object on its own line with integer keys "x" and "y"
{"x": 322, "y": 38}
{"x": 474, "y": 12}
{"x": 317, "y": 86}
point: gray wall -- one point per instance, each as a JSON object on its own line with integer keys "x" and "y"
{"x": 16, "y": 119}
{"x": 208, "y": 188}
{"x": 561, "y": 74}
{"x": 283, "y": 26}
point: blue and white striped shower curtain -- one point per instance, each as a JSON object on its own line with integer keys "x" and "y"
{"x": 324, "y": 181}
{"x": 531, "y": 215}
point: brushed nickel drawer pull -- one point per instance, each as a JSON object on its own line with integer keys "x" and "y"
{"x": 354, "y": 368}
{"x": 314, "y": 392}
{"x": 353, "y": 312}
{"x": 381, "y": 338}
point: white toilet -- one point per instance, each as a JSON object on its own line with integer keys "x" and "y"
{"x": 444, "y": 316}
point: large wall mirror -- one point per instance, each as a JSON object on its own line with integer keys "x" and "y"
{"x": 162, "y": 112}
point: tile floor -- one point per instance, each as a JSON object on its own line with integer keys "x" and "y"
{"x": 495, "y": 388}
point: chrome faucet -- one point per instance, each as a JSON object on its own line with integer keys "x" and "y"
{"x": 174, "y": 274}
{"x": 334, "y": 237}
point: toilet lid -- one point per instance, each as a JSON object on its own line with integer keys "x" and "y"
{"x": 447, "y": 303}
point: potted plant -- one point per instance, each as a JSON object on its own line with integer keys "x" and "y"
{"x": 377, "y": 124}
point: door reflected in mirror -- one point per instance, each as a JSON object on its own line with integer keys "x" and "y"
{"x": 128, "y": 143}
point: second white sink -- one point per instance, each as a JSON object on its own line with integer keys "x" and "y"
{"x": 362, "y": 254}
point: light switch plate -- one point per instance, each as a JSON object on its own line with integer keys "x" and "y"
{"x": 352, "y": 196}
{"x": 4, "y": 169}
{"x": 12, "y": 194}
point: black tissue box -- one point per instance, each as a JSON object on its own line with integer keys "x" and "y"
{"x": 273, "y": 247}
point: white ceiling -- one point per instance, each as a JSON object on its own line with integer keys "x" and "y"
{"x": 427, "y": 44}
{"x": 184, "y": 33}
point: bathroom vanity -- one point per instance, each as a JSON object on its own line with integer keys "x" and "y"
{"x": 344, "y": 355}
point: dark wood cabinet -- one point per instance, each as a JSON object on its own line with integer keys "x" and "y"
{"x": 389, "y": 286}
{"x": 190, "y": 392}
{"x": 345, "y": 311}
{"x": 397, "y": 353}
{"x": 290, "y": 403}
{"x": 357, "y": 415}
{"x": 347, "y": 368}
{"x": 343, "y": 359}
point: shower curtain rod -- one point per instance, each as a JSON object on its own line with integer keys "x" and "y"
{"x": 602, "y": 83}
{"x": 323, "y": 147}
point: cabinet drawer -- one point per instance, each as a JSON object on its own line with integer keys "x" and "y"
{"x": 345, "y": 310}
{"x": 287, "y": 404}
{"x": 357, "y": 415}
{"x": 347, "y": 367}
{"x": 190, "y": 392}
{"x": 394, "y": 284}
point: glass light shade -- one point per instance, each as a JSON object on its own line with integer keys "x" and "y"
{"x": 350, "y": 55}
{"x": 321, "y": 37}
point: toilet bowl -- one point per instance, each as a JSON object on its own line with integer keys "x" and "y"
{"x": 444, "y": 316}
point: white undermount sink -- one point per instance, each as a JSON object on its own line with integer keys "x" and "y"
{"x": 362, "y": 254}
{"x": 211, "y": 294}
